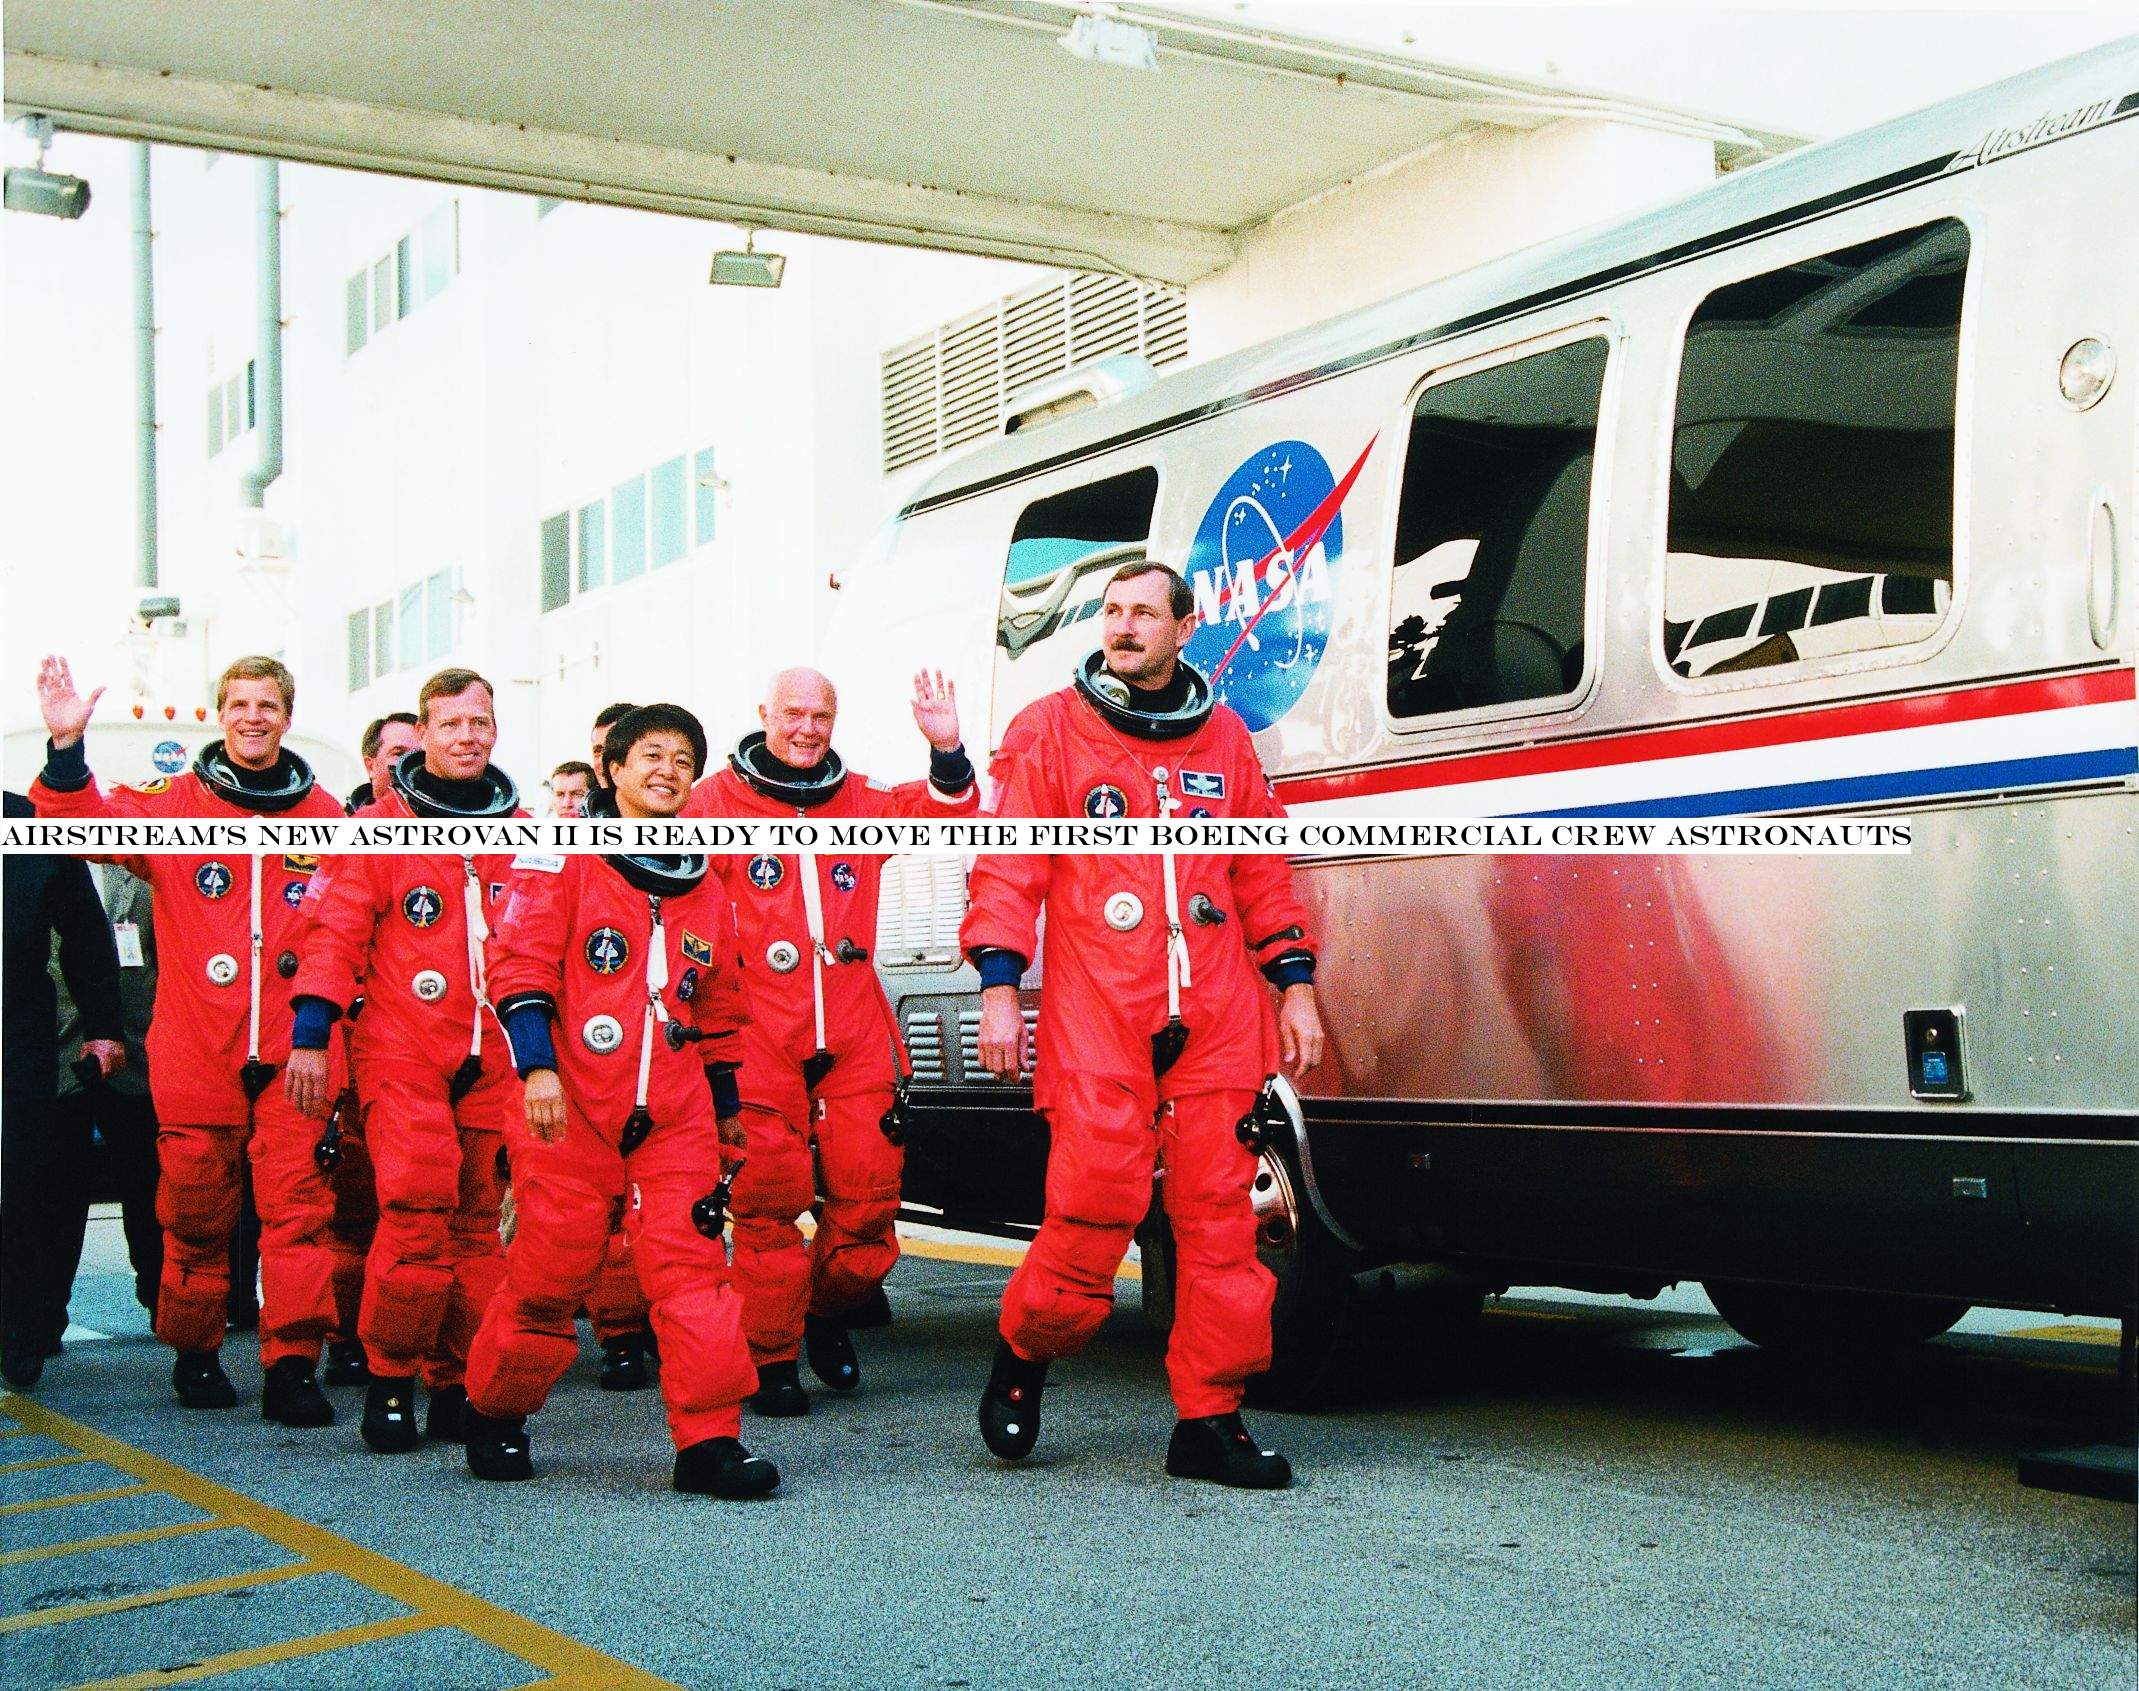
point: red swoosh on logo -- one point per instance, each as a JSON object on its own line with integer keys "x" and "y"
{"x": 1302, "y": 539}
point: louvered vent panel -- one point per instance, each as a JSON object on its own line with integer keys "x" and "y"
{"x": 924, "y": 1045}
{"x": 1165, "y": 327}
{"x": 969, "y": 1043}
{"x": 972, "y": 382}
{"x": 920, "y": 903}
{"x": 1103, "y": 317}
{"x": 909, "y": 385}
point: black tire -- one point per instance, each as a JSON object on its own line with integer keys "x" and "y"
{"x": 1315, "y": 1289}
{"x": 1809, "y": 1322}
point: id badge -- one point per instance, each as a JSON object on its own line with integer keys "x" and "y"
{"x": 127, "y": 936}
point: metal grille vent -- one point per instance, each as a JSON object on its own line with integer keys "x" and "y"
{"x": 950, "y": 385}
{"x": 920, "y": 902}
{"x": 924, "y": 1045}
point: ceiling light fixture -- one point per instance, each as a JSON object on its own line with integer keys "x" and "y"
{"x": 1104, "y": 39}
{"x": 748, "y": 268}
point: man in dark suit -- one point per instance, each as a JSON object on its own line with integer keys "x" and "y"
{"x": 43, "y": 896}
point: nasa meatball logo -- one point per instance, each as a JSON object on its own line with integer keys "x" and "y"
{"x": 168, "y": 757}
{"x": 212, "y": 880}
{"x": 1264, "y": 569}
{"x": 1106, "y": 800}
{"x": 765, "y": 872}
{"x": 844, "y": 878}
{"x": 607, "y": 951}
{"x": 422, "y": 906}
{"x": 293, "y": 893}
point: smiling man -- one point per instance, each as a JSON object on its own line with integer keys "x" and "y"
{"x": 407, "y": 931}
{"x": 218, "y": 1034}
{"x": 1154, "y": 1035}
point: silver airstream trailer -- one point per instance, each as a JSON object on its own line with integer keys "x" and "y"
{"x": 1811, "y": 493}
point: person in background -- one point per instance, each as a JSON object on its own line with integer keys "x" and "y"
{"x": 570, "y": 783}
{"x": 385, "y": 739}
{"x": 115, "y": 1106}
{"x": 598, "y": 736}
{"x": 43, "y": 896}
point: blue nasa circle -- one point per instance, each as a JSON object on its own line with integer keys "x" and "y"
{"x": 168, "y": 756}
{"x": 212, "y": 880}
{"x": 422, "y": 906}
{"x": 1244, "y": 579}
{"x": 765, "y": 872}
{"x": 844, "y": 878}
{"x": 607, "y": 951}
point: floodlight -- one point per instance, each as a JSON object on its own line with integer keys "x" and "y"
{"x": 45, "y": 193}
{"x": 1107, "y": 40}
{"x": 748, "y": 268}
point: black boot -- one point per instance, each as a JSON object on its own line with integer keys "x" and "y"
{"x": 291, "y": 1395}
{"x": 723, "y": 1468}
{"x": 624, "y": 1363}
{"x": 200, "y": 1382}
{"x": 779, "y": 1391}
{"x": 497, "y": 1446}
{"x": 345, "y": 1364}
{"x": 446, "y": 1415}
{"x": 1219, "y": 1448}
{"x": 872, "y": 1311}
{"x": 831, "y": 1353}
{"x": 22, "y": 1363}
{"x": 1010, "y": 1407}
{"x": 390, "y": 1414}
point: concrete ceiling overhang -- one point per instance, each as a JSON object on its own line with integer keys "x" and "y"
{"x": 957, "y": 124}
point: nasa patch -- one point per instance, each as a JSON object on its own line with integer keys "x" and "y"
{"x": 159, "y": 785}
{"x": 1106, "y": 799}
{"x": 687, "y": 986}
{"x": 607, "y": 951}
{"x": 1200, "y": 784}
{"x": 212, "y": 880}
{"x": 1199, "y": 813}
{"x": 765, "y": 871}
{"x": 168, "y": 757}
{"x": 1264, "y": 568}
{"x": 293, "y": 893}
{"x": 536, "y": 860}
{"x": 695, "y": 950}
{"x": 422, "y": 906}
{"x": 844, "y": 877}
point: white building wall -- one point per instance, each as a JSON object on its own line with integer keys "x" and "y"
{"x": 1432, "y": 215}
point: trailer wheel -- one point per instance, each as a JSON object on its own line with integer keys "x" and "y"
{"x": 1314, "y": 1284}
{"x": 1825, "y": 1323}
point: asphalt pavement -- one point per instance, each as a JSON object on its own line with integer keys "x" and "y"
{"x": 1577, "y": 1493}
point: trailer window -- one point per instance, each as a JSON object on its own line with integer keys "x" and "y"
{"x": 1492, "y": 535}
{"x": 1060, "y": 548}
{"x": 1812, "y": 458}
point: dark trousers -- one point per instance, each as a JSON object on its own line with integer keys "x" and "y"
{"x": 46, "y": 1147}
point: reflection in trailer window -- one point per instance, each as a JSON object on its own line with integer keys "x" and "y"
{"x": 1492, "y": 535}
{"x": 1812, "y": 458}
{"x": 1062, "y": 549}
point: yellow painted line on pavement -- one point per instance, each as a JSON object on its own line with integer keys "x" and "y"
{"x": 266, "y": 1655}
{"x": 436, "y": 1604}
{"x": 109, "y": 1541}
{"x": 42, "y": 1462}
{"x": 14, "y": 1432}
{"x": 144, "y": 1599}
{"x": 998, "y": 1256}
{"x": 2073, "y": 1334}
{"x": 72, "y": 1498}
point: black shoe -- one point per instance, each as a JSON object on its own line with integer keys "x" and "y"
{"x": 1218, "y": 1447}
{"x": 1010, "y": 1407}
{"x": 291, "y": 1395}
{"x": 723, "y": 1468}
{"x": 872, "y": 1311}
{"x": 624, "y": 1363}
{"x": 497, "y": 1446}
{"x": 831, "y": 1353}
{"x": 445, "y": 1417}
{"x": 200, "y": 1382}
{"x": 22, "y": 1364}
{"x": 345, "y": 1364}
{"x": 779, "y": 1391}
{"x": 390, "y": 1414}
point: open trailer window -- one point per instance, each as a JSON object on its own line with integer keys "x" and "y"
{"x": 1812, "y": 459}
{"x": 1492, "y": 535}
{"x": 1061, "y": 552}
